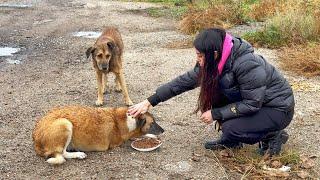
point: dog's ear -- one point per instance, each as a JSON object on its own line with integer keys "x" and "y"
{"x": 89, "y": 51}
{"x": 113, "y": 47}
{"x": 141, "y": 122}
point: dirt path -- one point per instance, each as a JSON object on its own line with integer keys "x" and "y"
{"x": 52, "y": 70}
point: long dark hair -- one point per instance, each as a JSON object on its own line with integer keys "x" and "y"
{"x": 208, "y": 41}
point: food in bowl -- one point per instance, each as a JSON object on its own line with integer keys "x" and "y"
{"x": 146, "y": 144}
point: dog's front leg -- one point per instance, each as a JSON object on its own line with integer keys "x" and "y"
{"x": 121, "y": 80}
{"x": 99, "y": 101}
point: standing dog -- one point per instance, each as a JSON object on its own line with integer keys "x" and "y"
{"x": 87, "y": 129}
{"x": 107, "y": 57}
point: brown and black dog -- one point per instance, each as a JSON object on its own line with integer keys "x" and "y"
{"x": 87, "y": 129}
{"x": 107, "y": 57}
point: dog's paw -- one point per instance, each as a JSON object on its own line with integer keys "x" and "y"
{"x": 56, "y": 161}
{"x": 107, "y": 90}
{"x": 81, "y": 155}
{"x": 99, "y": 103}
{"x": 129, "y": 102}
{"x": 118, "y": 90}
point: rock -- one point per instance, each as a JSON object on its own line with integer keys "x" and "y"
{"x": 182, "y": 166}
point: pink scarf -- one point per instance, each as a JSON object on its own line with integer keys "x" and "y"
{"x": 227, "y": 46}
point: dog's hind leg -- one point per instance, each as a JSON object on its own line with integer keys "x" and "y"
{"x": 71, "y": 155}
{"x": 122, "y": 82}
{"x": 56, "y": 139}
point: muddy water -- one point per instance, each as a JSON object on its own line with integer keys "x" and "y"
{"x": 87, "y": 34}
{"x": 8, "y": 51}
{"x": 19, "y": 4}
{"x": 16, "y": 5}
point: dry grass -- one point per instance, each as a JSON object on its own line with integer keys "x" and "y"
{"x": 266, "y": 8}
{"x": 196, "y": 20}
{"x": 303, "y": 60}
{"x": 294, "y": 25}
{"x": 214, "y": 13}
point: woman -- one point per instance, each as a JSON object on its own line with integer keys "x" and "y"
{"x": 248, "y": 97}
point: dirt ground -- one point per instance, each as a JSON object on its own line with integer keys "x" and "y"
{"x": 53, "y": 71}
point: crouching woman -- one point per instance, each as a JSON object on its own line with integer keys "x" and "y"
{"x": 239, "y": 89}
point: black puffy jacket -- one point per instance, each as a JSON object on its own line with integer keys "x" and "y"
{"x": 248, "y": 82}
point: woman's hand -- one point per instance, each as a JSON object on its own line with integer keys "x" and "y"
{"x": 206, "y": 117}
{"x": 139, "y": 108}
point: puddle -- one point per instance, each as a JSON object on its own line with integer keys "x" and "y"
{"x": 8, "y": 51}
{"x": 87, "y": 34}
{"x": 16, "y": 5}
{"x": 12, "y": 61}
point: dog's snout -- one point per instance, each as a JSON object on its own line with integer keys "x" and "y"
{"x": 155, "y": 129}
{"x": 105, "y": 66}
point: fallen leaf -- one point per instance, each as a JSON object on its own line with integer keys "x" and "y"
{"x": 274, "y": 172}
{"x": 195, "y": 158}
{"x": 303, "y": 174}
{"x": 306, "y": 162}
{"x": 196, "y": 154}
{"x": 276, "y": 164}
{"x": 313, "y": 156}
{"x": 225, "y": 153}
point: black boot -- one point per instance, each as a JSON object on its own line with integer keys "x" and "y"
{"x": 272, "y": 142}
{"x": 219, "y": 144}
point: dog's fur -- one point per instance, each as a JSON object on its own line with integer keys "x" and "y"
{"x": 87, "y": 129}
{"x": 106, "y": 55}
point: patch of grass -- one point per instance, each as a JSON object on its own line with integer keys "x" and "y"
{"x": 175, "y": 2}
{"x": 196, "y": 20}
{"x": 171, "y": 8}
{"x": 215, "y": 13}
{"x": 301, "y": 59}
{"x": 299, "y": 23}
{"x": 290, "y": 158}
{"x": 264, "y": 9}
{"x": 250, "y": 165}
{"x": 174, "y": 12}
{"x": 269, "y": 37}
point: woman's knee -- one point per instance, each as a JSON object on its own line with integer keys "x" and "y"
{"x": 229, "y": 130}
{"x": 232, "y": 131}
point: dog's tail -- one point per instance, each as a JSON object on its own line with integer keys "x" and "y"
{"x": 51, "y": 139}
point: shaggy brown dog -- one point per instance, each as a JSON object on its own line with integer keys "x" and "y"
{"x": 107, "y": 57}
{"x": 87, "y": 129}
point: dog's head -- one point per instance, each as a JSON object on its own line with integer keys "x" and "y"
{"x": 101, "y": 54}
{"x": 148, "y": 125}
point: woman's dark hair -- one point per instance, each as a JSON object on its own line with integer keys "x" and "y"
{"x": 208, "y": 41}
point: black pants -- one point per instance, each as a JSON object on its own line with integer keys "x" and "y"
{"x": 251, "y": 129}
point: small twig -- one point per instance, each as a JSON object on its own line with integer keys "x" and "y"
{"x": 247, "y": 172}
{"x": 222, "y": 168}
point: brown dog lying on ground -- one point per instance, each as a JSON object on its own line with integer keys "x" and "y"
{"x": 107, "y": 57}
{"x": 87, "y": 129}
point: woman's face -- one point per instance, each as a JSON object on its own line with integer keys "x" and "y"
{"x": 200, "y": 58}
